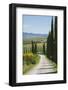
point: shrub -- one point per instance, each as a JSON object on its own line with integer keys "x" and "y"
{"x": 30, "y": 58}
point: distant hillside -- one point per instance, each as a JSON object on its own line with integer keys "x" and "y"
{"x": 33, "y": 35}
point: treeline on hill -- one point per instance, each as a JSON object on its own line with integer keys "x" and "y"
{"x": 52, "y": 41}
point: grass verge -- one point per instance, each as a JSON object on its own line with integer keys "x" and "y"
{"x": 30, "y": 61}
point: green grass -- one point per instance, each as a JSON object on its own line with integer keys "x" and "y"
{"x": 26, "y": 68}
{"x": 29, "y": 61}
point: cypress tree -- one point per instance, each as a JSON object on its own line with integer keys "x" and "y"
{"x": 51, "y": 40}
{"x": 32, "y": 47}
{"x": 55, "y": 41}
{"x": 44, "y": 48}
{"x": 48, "y": 45}
{"x": 35, "y": 47}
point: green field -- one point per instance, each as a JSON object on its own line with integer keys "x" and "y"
{"x": 25, "y": 41}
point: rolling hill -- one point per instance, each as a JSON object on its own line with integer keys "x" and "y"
{"x": 33, "y": 35}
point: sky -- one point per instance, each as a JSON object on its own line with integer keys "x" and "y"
{"x": 37, "y": 24}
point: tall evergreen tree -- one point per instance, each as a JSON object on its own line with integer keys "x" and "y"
{"x": 44, "y": 48}
{"x": 48, "y": 45}
{"x": 55, "y": 41}
{"x": 51, "y": 40}
{"x": 35, "y": 47}
{"x": 32, "y": 47}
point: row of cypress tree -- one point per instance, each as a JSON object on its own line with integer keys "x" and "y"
{"x": 34, "y": 47}
{"x": 52, "y": 41}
